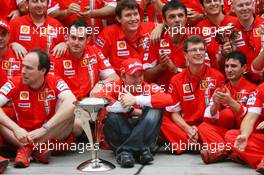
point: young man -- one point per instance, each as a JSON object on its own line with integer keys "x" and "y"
{"x": 226, "y": 109}
{"x": 83, "y": 63}
{"x": 248, "y": 39}
{"x": 214, "y": 20}
{"x": 191, "y": 91}
{"x": 131, "y": 113}
{"x": 36, "y": 30}
{"x": 167, "y": 58}
{"x": 247, "y": 143}
{"x": 128, "y": 39}
{"x": 44, "y": 107}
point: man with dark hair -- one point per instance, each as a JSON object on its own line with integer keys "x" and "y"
{"x": 84, "y": 67}
{"x": 167, "y": 58}
{"x": 191, "y": 91}
{"x": 43, "y": 105}
{"x": 226, "y": 110}
{"x": 129, "y": 38}
{"x": 214, "y": 20}
{"x": 132, "y": 124}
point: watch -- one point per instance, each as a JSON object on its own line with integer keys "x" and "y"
{"x": 132, "y": 109}
{"x": 45, "y": 126}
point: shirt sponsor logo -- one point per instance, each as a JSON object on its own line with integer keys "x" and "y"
{"x": 67, "y": 64}
{"x": 24, "y": 29}
{"x": 146, "y": 43}
{"x": 164, "y": 43}
{"x": 6, "y": 65}
{"x": 187, "y": 88}
{"x": 101, "y": 55}
{"x": 121, "y": 45}
{"x": 164, "y": 51}
{"x": 257, "y": 32}
{"x": 84, "y": 62}
{"x": 50, "y": 95}
{"x": 7, "y": 87}
{"x": 61, "y": 86}
{"x": 188, "y": 97}
{"x": 146, "y": 55}
{"x": 24, "y": 38}
{"x": 252, "y": 98}
{"x": 208, "y": 84}
{"x": 93, "y": 61}
{"x": 69, "y": 72}
{"x": 100, "y": 42}
{"x": 24, "y": 95}
{"x": 123, "y": 53}
{"x": 24, "y": 105}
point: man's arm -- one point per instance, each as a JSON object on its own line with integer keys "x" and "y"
{"x": 258, "y": 62}
{"x": 104, "y": 12}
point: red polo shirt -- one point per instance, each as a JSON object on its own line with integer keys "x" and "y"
{"x": 81, "y": 74}
{"x": 191, "y": 94}
{"x": 25, "y": 32}
{"x": 117, "y": 46}
{"x": 33, "y": 107}
{"x": 7, "y": 6}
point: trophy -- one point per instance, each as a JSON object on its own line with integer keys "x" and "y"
{"x": 87, "y": 110}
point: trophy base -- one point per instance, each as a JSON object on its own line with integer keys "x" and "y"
{"x": 95, "y": 165}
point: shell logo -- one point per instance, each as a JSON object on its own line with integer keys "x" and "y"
{"x": 187, "y": 88}
{"x": 24, "y": 95}
{"x": 121, "y": 45}
{"x": 164, "y": 43}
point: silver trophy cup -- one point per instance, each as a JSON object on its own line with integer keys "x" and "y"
{"x": 89, "y": 109}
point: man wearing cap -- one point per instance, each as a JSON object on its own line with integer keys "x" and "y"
{"x": 131, "y": 114}
{"x": 191, "y": 91}
{"x": 43, "y": 105}
{"x": 36, "y": 30}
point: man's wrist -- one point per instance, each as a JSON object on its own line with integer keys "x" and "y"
{"x": 45, "y": 126}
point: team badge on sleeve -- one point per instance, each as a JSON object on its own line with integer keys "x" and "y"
{"x": 61, "y": 86}
{"x": 100, "y": 42}
{"x": 7, "y": 87}
{"x": 252, "y": 98}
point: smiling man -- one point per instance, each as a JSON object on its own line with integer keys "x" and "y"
{"x": 226, "y": 110}
{"x": 127, "y": 39}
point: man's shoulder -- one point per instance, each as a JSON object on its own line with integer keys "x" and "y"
{"x": 20, "y": 20}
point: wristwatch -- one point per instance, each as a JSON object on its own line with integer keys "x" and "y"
{"x": 132, "y": 109}
{"x": 45, "y": 126}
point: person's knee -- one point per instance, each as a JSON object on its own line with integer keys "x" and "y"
{"x": 231, "y": 135}
{"x": 153, "y": 116}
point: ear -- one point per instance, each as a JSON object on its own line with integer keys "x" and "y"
{"x": 244, "y": 68}
{"x": 118, "y": 19}
{"x": 43, "y": 70}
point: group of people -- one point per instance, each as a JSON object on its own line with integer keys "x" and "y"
{"x": 188, "y": 73}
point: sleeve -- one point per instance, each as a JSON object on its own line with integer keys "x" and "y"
{"x": 8, "y": 91}
{"x": 105, "y": 68}
{"x": 61, "y": 87}
{"x": 152, "y": 59}
{"x": 103, "y": 43}
{"x": 175, "y": 95}
{"x": 255, "y": 101}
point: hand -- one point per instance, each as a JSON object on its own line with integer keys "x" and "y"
{"x": 14, "y": 14}
{"x": 74, "y": 8}
{"x": 193, "y": 17}
{"x": 227, "y": 48}
{"x": 261, "y": 125}
{"x": 97, "y": 88}
{"x": 127, "y": 99}
{"x": 87, "y": 14}
{"x": 19, "y": 50}
{"x": 59, "y": 49}
{"x": 193, "y": 134}
{"x": 241, "y": 143}
{"x": 37, "y": 133}
{"x": 223, "y": 97}
{"x": 156, "y": 34}
{"x": 22, "y": 136}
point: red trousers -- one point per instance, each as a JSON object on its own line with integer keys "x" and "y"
{"x": 174, "y": 134}
{"x": 254, "y": 152}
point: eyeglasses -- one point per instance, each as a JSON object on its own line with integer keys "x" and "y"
{"x": 195, "y": 50}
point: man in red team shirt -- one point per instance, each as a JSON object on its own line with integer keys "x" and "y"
{"x": 248, "y": 39}
{"x": 83, "y": 66}
{"x": 128, "y": 39}
{"x": 191, "y": 91}
{"x": 36, "y": 30}
{"x": 167, "y": 58}
{"x": 131, "y": 113}
{"x": 44, "y": 106}
{"x": 247, "y": 143}
{"x": 226, "y": 110}
{"x": 214, "y": 20}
